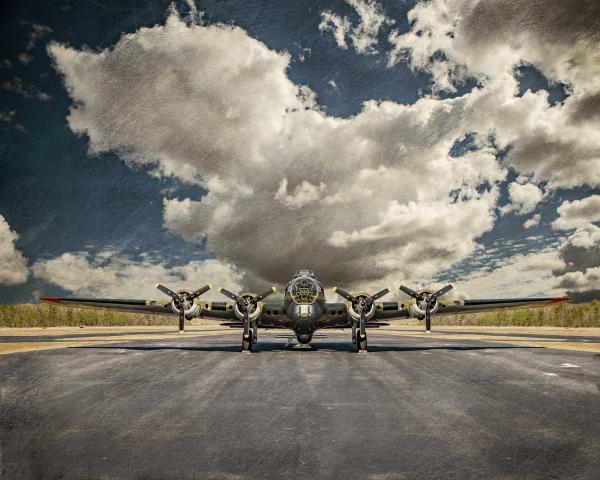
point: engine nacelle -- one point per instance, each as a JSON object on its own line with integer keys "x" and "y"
{"x": 190, "y": 306}
{"x": 254, "y": 309}
{"x": 417, "y": 309}
{"x": 355, "y": 307}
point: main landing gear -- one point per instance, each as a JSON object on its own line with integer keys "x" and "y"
{"x": 359, "y": 338}
{"x": 361, "y": 343}
{"x": 247, "y": 342}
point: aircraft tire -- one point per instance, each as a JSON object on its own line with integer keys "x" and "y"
{"x": 361, "y": 344}
{"x": 247, "y": 343}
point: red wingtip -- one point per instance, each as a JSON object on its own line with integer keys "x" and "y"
{"x": 50, "y": 300}
{"x": 560, "y": 299}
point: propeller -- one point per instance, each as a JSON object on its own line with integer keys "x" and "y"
{"x": 247, "y": 304}
{"x": 426, "y": 301}
{"x": 183, "y": 298}
{"x": 362, "y": 304}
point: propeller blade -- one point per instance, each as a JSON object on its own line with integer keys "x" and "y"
{"x": 378, "y": 295}
{"x": 258, "y": 298}
{"x": 410, "y": 292}
{"x": 200, "y": 291}
{"x": 442, "y": 291}
{"x": 233, "y": 296}
{"x": 345, "y": 294}
{"x": 166, "y": 290}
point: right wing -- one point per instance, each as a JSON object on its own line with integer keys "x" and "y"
{"x": 155, "y": 307}
{"x": 206, "y": 309}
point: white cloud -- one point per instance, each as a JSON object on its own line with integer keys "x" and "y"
{"x": 581, "y": 250}
{"x": 339, "y": 26}
{"x": 456, "y": 39}
{"x": 523, "y": 198}
{"x": 580, "y": 272}
{"x": 211, "y": 104}
{"x": 572, "y": 268}
{"x": 581, "y": 281}
{"x": 14, "y": 266}
{"x": 364, "y": 34}
{"x": 522, "y": 275}
{"x": 533, "y": 221}
{"x": 304, "y": 194}
{"x": 112, "y": 276}
{"x": 577, "y": 213}
{"x": 362, "y": 200}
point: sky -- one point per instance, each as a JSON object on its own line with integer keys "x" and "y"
{"x": 232, "y": 142}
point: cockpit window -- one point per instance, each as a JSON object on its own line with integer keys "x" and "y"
{"x": 304, "y": 273}
{"x": 304, "y": 290}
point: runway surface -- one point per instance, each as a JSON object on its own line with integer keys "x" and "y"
{"x": 192, "y": 406}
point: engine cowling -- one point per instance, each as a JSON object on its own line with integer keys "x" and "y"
{"x": 254, "y": 308}
{"x": 356, "y": 307}
{"x": 190, "y": 306}
{"x": 417, "y": 309}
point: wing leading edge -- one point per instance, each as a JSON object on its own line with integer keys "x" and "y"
{"x": 137, "y": 306}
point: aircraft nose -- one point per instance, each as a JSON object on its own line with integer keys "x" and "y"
{"x": 304, "y": 338}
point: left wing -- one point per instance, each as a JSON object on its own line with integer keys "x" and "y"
{"x": 423, "y": 304}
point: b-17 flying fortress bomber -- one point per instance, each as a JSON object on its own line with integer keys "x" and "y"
{"x": 304, "y": 309}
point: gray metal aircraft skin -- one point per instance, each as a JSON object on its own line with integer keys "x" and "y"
{"x": 304, "y": 308}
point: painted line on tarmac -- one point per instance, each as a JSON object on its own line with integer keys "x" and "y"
{"x": 85, "y": 341}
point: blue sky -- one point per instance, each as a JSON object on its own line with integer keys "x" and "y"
{"x": 88, "y": 209}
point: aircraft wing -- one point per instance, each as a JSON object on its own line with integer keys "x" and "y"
{"x": 140, "y": 306}
{"x": 456, "y": 307}
{"x": 210, "y": 310}
{"x": 399, "y": 310}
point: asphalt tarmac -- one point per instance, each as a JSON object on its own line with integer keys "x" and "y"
{"x": 196, "y": 408}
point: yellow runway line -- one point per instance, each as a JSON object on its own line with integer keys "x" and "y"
{"x": 57, "y": 331}
{"x": 85, "y": 340}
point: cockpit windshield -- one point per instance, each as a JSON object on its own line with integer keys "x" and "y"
{"x": 304, "y": 290}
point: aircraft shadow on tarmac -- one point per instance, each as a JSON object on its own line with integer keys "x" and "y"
{"x": 316, "y": 347}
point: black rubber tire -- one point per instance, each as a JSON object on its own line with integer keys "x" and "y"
{"x": 247, "y": 343}
{"x": 361, "y": 344}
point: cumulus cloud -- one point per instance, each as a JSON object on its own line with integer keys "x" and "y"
{"x": 14, "y": 266}
{"x": 523, "y": 198}
{"x": 287, "y": 184}
{"x": 521, "y": 276}
{"x": 580, "y": 272}
{"x": 488, "y": 40}
{"x": 572, "y": 268}
{"x": 364, "y": 33}
{"x": 533, "y": 221}
{"x": 581, "y": 250}
{"x": 371, "y": 198}
{"x": 577, "y": 213}
{"x": 113, "y": 276}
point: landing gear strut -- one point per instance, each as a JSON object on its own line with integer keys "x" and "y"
{"x": 361, "y": 343}
{"x": 247, "y": 342}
